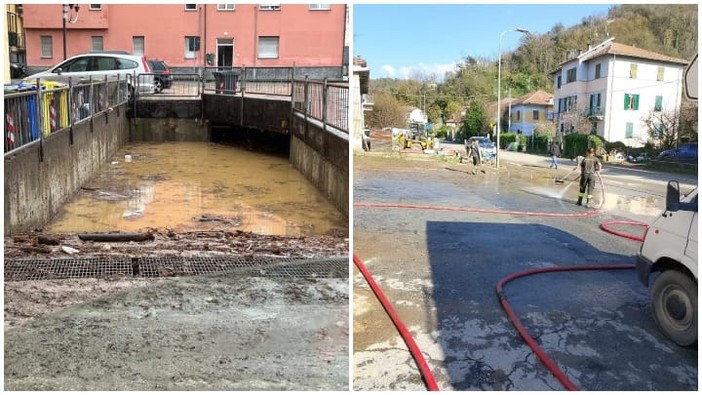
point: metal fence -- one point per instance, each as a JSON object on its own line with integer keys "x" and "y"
{"x": 34, "y": 111}
{"x": 324, "y": 101}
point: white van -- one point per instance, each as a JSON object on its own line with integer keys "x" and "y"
{"x": 670, "y": 249}
{"x": 97, "y": 65}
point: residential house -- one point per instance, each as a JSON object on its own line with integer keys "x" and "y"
{"x": 15, "y": 47}
{"x": 614, "y": 87}
{"x": 311, "y": 37}
{"x": 528, "y": 111}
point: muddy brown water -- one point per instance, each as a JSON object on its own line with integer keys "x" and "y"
{"x": 194, "y": 186}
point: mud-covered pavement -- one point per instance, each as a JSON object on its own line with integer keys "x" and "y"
{"x": 218, "y": 332}
{"x": 440, "y": 268}
{"x": 227, "y": 331}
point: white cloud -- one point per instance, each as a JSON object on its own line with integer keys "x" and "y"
{"x": 389, "y": 70}
{"x": 405, "y": 72}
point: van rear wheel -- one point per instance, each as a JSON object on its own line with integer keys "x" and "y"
{"x": 674, "y": 303}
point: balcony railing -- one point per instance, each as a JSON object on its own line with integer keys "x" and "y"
{"x": 594, "y": 113}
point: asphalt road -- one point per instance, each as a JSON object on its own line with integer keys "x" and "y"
{"x": 440, "y": 268}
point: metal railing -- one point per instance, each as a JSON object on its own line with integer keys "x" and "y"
{"x": 324, "y": 101}
{"x": 34, "y": 111}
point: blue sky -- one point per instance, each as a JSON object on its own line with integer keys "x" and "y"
{"x": 397, "y": 38}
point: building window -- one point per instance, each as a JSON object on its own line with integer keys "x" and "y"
{"x": 269, "y": 7}
{"x": 661, "y": 73}
{"x": 659, "y": 130}
{"x": 191, "y": 7}
{"x": 595, "y": 103}
{"x": 629, "y": 130}
{"x": 598, "y": 70}
{"x": 268, "y": 47}
{"x": 558, "y": 82}
{"x": 519, "y": 115}
{"x": 535, "y": 115}
{"x": 632, "y": 70}
{"x": 570, "y": 77}
{"x": 631, "y": 102}
{"x": 97, "y": 43}
{"x": 138, "y": 45}
{"x": 192, "y": 46}
{"x": 659, "y": 103}
{"x": 320, "y": 7}
{"x": 226, "y": 7}
{"x": 47, "y": 47}
{"x": 95, "y": 7}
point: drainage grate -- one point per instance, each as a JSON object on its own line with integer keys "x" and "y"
{"x": 43, "y": 269}
{"x": 40, "y": 269}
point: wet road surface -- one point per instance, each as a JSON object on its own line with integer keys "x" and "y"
{"x": 440, "y": 269}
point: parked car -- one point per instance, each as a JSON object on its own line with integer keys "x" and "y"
{"x": 16, "y": 70}
{"x": 162, "y": 75}
{"x": 97, "y": 65}
{"x": 687, "y": 151}
{"x": 487, "y": 147}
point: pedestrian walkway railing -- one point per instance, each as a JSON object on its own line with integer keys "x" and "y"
{"x": 36, "y": 110}
{"x": 324, "y": 101}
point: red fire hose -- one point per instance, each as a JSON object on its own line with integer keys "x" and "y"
{"x": 543, "y": 357}
{"x": 406, "y": 336}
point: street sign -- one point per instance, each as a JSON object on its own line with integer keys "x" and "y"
{"x": 691, "y": 80}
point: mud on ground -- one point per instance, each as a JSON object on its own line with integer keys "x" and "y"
{"x": 213, "y": 332}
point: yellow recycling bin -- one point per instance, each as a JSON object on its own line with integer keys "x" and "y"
{"x": 54, "y": 105}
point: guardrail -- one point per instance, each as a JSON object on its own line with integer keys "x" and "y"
{"x": 34, "y": 111}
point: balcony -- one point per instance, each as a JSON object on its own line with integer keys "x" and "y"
{"x": 594, "y": 113}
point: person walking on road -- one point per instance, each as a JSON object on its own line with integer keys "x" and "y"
{"x": 589, "y": 166}
{"x": 555, "y": 152}
{"x": 474, "y": 153}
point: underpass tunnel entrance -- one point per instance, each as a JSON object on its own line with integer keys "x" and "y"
{"x": 252, "y": 139}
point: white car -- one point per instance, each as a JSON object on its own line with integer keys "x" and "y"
{"x": 97, "y": 65}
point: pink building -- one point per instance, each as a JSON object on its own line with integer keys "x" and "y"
{"x": 188, "y": 36}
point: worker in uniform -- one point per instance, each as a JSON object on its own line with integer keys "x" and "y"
{"x": 589, "y": 166}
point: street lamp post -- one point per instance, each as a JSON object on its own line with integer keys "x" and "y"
{"x": 67, "y": 10}
{"x": 499, "y": 87}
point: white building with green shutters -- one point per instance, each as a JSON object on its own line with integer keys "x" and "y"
{"x": 614, "y": 88}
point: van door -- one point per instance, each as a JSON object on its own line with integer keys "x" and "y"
{"x": 691, "y": 248}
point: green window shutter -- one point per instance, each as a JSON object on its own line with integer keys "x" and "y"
{"x": 636, "y": 102}
{"x": 659, "y": 130}
{"x": 629, "y": 130}
{"x": 659, "y": 103}
{"x": 627, "y": 101}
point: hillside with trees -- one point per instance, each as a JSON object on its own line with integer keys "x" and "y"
{"x": 669, "y": 29}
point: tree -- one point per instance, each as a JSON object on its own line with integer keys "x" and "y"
{"x": 576, "y": 122}
{"x": 387, "y": 112}
{"x": 475, "y": 122}
{"x": 664, "y": 127}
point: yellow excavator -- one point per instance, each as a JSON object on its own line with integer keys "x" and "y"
{"x": 417, "y": 138}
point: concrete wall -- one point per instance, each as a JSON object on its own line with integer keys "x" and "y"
{"x": 323, "y": 158}
{"x": 266, "y": 113}
{"x": 36, "y": 185}
{"x": 168, "y": 120}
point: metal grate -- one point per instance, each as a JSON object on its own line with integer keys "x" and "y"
{"x": 43, "y": 269}
{"x": 40, "y": 269}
